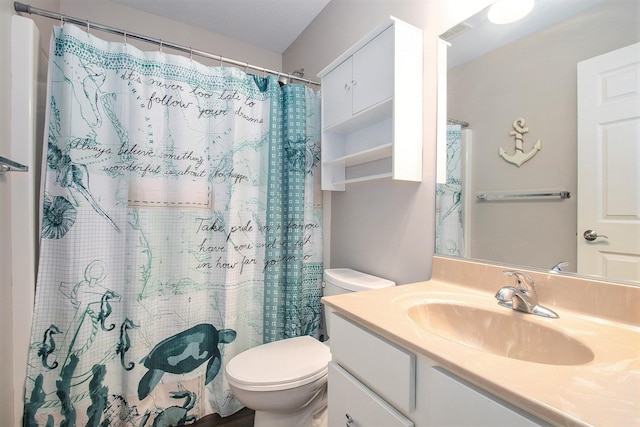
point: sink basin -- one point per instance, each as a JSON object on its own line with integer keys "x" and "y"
{"x": 507, "y": 334}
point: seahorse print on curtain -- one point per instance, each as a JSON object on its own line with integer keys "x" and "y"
{"x": 158, "y": 232}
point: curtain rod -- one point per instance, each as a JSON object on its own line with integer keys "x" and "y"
{"x": 457, "y": 122}
{"x": 25, "y": 8}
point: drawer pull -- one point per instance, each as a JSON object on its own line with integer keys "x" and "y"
{"x": 349, "y": 420}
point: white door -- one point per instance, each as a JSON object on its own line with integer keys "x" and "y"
{"x": 609, "y": 164}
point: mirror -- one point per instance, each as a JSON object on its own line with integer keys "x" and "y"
{"x": 531, "y": 215}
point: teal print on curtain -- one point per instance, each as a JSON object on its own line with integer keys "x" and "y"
{"x": 181, "y": 226}
{"x": 293, "y": 271}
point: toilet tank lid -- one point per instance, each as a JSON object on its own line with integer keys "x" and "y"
{"x": 353, "y": 280}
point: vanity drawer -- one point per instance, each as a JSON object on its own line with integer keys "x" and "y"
{"x": 382, "y": 366}
{"x": 351, "y": 403}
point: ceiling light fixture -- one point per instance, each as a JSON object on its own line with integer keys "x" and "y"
{"x": 507, "y": 11}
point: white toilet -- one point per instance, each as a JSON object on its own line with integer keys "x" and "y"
{"x": 285, "y": 381}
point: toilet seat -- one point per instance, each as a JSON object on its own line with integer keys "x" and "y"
{"x": 279, "y": 365}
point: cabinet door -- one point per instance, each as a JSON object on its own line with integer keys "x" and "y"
{"x": 336, "y": 94}
{"x": 352, "y": 404}
{"x": 373, "y": 71}
{"x": 456, "y": 403}
{"x": 366, "y": 355}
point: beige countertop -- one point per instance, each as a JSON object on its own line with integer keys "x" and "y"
{"x": 604, "y": 391}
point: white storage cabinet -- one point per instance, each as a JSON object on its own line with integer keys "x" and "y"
{"x": 372, "y": 109}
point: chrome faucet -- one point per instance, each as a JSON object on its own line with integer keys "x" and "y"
{"x": 523, "y": 296}
{"x": 558, "y": 267}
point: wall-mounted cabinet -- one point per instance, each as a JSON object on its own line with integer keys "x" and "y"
{"x": 372, "y": 109}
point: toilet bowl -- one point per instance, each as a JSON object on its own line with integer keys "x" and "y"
{"x": 285, "y": 382}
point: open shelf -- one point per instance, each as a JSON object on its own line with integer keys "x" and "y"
{"x": 364, "y": 118}
{"x": 364, "y": 178}
{"x": 365, "y": 156}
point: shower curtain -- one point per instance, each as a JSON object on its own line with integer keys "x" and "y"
{"x": 449, "y": 232}
{"x": 181, "y": 225}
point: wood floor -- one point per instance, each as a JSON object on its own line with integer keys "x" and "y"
{"x": 242, "y": 418}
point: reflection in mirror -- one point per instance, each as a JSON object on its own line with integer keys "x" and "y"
{"x": 564, "y": 71}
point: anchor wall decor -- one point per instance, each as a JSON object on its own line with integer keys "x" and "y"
{"x": 519, "y": 157}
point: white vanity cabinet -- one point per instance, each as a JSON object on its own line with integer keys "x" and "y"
{"x": 372, "y": 109}
{"x": 375, "y": 383}
{"x": 361, "y": 386}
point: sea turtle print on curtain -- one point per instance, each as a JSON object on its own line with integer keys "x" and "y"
{"x": 178, "y": 200}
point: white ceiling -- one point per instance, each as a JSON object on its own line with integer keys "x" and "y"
{"x": 269, "y": 24}
{"x": 482, "y": 36}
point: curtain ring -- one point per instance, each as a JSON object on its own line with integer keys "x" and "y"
{"x": 221, "y": 61}
{"x": 62, "y": 20}
{"x": 264, "y": 72}
{"x": 190, "y": 53}
{"x": 125, "y": 36}
{"x": 88, "y": 27}
{"x": 246, "y": 65}
{"x": 160, "y": 45}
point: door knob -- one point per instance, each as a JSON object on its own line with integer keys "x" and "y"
{"x": 591, "y": 235}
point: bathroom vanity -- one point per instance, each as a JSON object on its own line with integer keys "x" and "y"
{"x": 443, "y": 353}
{"x": 377, "y": 383}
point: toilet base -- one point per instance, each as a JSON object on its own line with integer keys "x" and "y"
{"x": 312, "y": 415}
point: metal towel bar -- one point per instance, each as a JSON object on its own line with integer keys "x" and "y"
{"x": 505, "y": 196}
{"x": 7, "y": 165}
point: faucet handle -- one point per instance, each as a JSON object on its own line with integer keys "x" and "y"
{"x": 559, "y": 266}
{"x": 523, "y": 280}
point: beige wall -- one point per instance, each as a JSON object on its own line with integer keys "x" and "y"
{"x": 533, "y": 78}
{"x": 126, "y": 18}
{"x": 383, "y": 228}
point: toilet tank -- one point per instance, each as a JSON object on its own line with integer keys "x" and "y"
{"x": 343, "y": 280}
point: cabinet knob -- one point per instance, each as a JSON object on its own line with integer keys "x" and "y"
{"x": 349, "y": 420}
{"x": 349, "y": 85}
